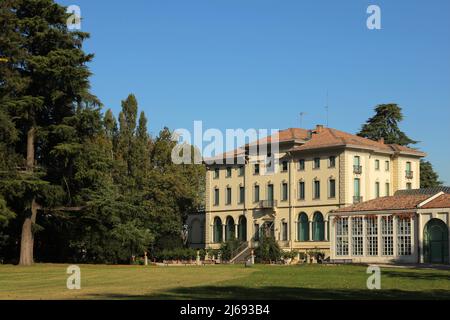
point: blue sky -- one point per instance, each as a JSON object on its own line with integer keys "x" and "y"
{"x": 259, "y": 63}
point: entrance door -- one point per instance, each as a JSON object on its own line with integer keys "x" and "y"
{"x": 436, "y": 242}
{"x": 269, "y": 229}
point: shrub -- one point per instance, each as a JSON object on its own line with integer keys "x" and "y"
{"x": 316, "y": 254}
{"x": 268, "y": 250}
{"x": 289, "y": 254}
{"x": 227, "y": 248}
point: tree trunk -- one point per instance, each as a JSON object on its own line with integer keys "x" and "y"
{"x": 27, "y": 240}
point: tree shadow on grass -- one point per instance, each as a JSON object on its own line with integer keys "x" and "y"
{"x": 417, "y": 275}
{"x": 280, "y": 293}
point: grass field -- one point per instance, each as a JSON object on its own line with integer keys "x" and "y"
{"x": 48, "y": 281}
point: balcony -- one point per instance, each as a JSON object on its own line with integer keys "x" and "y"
{"x": 267, "y": 204}
{"x": 409, "y": 174}
{"x": 357, "y": 169}
{"x": 357, "y": 199}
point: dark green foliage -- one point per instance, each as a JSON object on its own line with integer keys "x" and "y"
{"x": 428, "y": 177}
{"x": 228, "y": 248}
{"x": 106, "y": 190}
{"x": 384, "y": 124}
{"x": 268, "y": 250}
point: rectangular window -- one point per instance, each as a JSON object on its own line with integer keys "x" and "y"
{"x": 357, "y": 236}
{"x": 356, "y": 187}
{"x": 386, "y": 166}
{"x": 256, "y": 195}
{"x": 216, "y": 173}
{"x": 377, "y": 189}
{"x": 387, "y": 189}
{"x": 284, "y": 195}
{"x": 387, "y": 236}
{"x": 301, "y": 164}
{"x": 229, "y": 172}
{"x": 228, "y": 196}
{"x": 408, "y": 166}
{"x": 256, "y": 169}
{"x": 342, "y": 237}
{"x": 377, "y": 164}
{"x": 332, "y": 188}
{"x": 301, "y": 190}
{"x": 241, "y": 171}
{"x": 216, "y": 197}
{"x": 372, "y": 235}
{"x": 316, "y": 163}
{"x": 332, "y": 162}
{"x": 284, "y": 231}
{"x": 241, "y": 194}
{"x": 356, "y": 161}
{"x": 316, "y": 189}
{"x": 404, "y": 236}
{"x": 409, "y": 186}
{"x": 284, "y": 166}
{"x": 270, "y": 192}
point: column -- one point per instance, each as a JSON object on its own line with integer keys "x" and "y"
{"x": 223, "y": 231}
{"x": 326, "y": 230}
{"x": 236, "y": 229}
{"x": 395, "y": 240}
{"x": 350, "y": 240}
{"x": 310, "y": 230}
{"x": 364, "y": 237}
{"x": 380, "y": 243}
{"x": 414, "y": 252}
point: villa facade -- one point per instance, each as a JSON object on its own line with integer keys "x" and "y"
{"x": 319, "y": 171}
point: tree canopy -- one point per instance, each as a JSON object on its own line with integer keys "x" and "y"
{"x": 385, "y": 124}
{"x": 75, "y": 183}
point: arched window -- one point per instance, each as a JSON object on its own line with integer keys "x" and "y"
{"x": 303, "y": 227}
{"x": 217, "y": 230}
{"x": 229, "y": 231}
{"x": 242, "y": 231}
{"x": 318, "y": 227}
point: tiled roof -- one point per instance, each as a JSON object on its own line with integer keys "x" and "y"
{"x": 388, "y": 203}
{"x": 328, "y": 137}
{"x": 430, "y": 191}
{"x": 290, "y": 134}
{"x": 321, "y": 137}
{"x": 443, "y": 201}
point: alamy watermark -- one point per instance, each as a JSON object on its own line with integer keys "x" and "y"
{"x": 374, "y": 280}
{"x": 374, "y": 20}
{"x": 74, "y": 20}
{"x": 234, "y": 146}
{"x": 74, "y": 279}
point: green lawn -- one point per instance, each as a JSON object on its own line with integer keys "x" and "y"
{"x": 48, "y": 281}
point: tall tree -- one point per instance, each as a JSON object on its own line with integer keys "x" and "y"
{"x": 43, "y": 81}
{"x": 428, "y": 177}
{"x": 385, "y": 124}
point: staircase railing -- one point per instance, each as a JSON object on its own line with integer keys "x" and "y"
{"x": 236, "y": 252}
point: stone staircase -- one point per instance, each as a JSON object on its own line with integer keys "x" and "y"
{"x": 242, "y": 253}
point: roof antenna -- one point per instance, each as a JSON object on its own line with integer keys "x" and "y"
{"x": 302, "y": 114}
{"x": 327, "y": 108}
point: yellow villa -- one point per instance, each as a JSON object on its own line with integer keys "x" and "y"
{"x": 319, "y": 171}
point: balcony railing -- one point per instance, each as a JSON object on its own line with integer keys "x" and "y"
{"x": 409, "y": 174}
{"x": 357, "y": 199}
{"x": 267, "y": 204}
{"x": 357, "y": 169}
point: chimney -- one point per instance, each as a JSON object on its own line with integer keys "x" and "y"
{"x": 319, "y": 128}
{"x": 381, "y": 140}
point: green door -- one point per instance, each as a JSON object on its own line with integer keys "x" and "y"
{"x": 436, "y": 242}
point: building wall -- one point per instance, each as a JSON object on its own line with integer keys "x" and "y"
{"x": 288, "y": 211}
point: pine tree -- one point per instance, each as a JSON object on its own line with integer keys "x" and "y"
{"x": 384, "y": 124}
{"x": 43, "y": 82}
